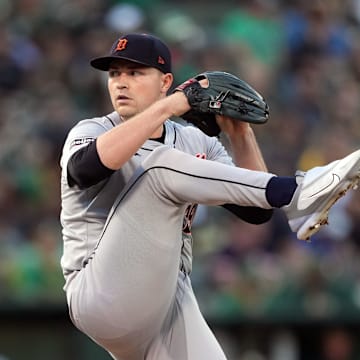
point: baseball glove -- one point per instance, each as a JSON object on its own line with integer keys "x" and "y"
{"x": 227, "y": 95}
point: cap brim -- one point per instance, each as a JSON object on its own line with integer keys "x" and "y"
{"x": 103, "y": 63}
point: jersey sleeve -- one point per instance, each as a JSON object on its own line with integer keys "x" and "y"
{"x": 217, "y": 152}
{"x": 80, "y": 135}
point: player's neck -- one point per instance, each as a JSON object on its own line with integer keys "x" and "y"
{"x": 159, "y": 134}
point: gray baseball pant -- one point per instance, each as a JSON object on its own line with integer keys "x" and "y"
{"x": 131, "y": 298}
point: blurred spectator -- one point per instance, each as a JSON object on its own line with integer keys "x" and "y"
{"x": 10, "y": 70}
{"x": 255, "y": 26}
{"x": 338, "y": 344}
{"x": 319, "y": 24}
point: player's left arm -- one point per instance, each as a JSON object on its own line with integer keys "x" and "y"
{"x": 244, "y": 146}
{"x": 246, "y": 154}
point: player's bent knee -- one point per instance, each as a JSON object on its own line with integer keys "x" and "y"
{"x": 101, "y": 317}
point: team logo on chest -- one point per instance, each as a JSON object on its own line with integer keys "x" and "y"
{"x": 201, "y": 156}
{"x": 189, "y": 218}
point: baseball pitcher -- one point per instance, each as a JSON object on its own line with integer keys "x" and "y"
{"x": 130, "y": 184}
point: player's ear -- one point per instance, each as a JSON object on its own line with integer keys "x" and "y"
{"x": 167, "y": 80}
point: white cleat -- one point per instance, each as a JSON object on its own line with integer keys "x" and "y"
{"x": 318, "y": 190}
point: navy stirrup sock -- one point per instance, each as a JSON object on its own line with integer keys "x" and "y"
{"x": 280, "y": 190}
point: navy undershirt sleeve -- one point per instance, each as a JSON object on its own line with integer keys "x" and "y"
{"x": 250, "y": 214}
{"x": 85, "y": 167}
{"x": 280, "y": 190}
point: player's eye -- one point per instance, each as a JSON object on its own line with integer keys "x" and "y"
{"x": 135, "y": 72}
{"x": 114, "y": 73}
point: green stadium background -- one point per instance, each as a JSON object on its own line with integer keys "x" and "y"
{"x": 266, "y": 295}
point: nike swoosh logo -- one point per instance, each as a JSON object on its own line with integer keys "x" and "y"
{"x": 307, "y": 200}
{"x": 335, "y": 178}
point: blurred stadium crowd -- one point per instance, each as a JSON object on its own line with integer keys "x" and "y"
{"x": 303, "y": 56}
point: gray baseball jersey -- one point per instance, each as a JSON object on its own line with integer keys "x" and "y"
{"x": 127, "y": 244}
{"x": 84, "y": 212}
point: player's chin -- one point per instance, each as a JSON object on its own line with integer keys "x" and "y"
{"x": 126, "y": 112}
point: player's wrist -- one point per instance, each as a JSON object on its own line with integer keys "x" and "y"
{"x": 177, "y": 104}
{"x": 241, "y": 135}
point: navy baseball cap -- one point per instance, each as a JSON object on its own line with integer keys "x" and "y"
{"x": 144, "y": 49}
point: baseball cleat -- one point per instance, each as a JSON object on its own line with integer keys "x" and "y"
{"x": 318, "y": 190}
